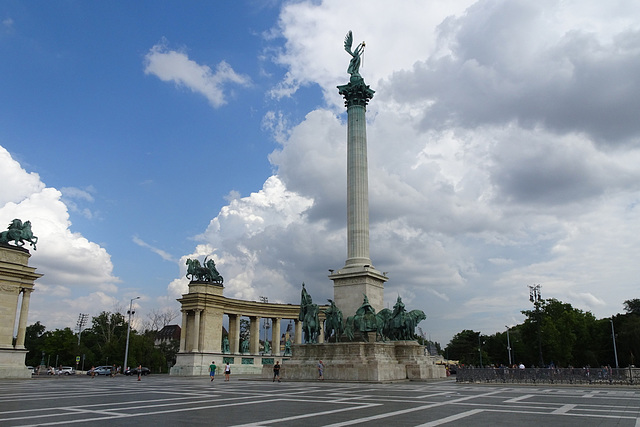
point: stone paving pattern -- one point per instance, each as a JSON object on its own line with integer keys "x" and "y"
{"x": 161, "y": 400}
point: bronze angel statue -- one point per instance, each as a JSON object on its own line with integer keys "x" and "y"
{"x": 354, "y": 64}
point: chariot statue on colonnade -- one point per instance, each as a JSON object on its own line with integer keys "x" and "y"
{"x": 19, "y": 233}
{"x": 207, "y": 273}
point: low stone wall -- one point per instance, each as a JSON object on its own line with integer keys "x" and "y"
{"x": 197, "y": 364}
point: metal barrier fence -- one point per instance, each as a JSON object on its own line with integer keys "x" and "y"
{"x": 622, "y": 376}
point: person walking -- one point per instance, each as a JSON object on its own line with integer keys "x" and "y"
{"x": 93, "y": 372}
{"x": 227, "y": 371}
{"x": 139, "y": 371}
{"x": 276, "y": 372}
{"x": 212, "y": 370}
{"x": 320, "y": 370}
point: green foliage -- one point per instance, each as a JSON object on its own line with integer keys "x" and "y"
{"x": 568, "y": 337}
{"x": 464, "y": 347}
{"x": 103, "y": 343}
{"x": 632, "y": 306}
{"x": 34, "y": 342}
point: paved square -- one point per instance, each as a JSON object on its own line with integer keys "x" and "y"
{"x": 163, "y": 401}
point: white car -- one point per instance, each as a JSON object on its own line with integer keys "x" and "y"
{"x": 66, "y": 370}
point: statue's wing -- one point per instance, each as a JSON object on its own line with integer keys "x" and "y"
{"x": 348, "y": 41}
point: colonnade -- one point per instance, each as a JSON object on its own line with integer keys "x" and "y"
{"x": 203, "y": 310}
{"x": 193, "y": 339}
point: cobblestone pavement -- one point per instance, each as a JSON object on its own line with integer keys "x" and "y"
{"x": 160, "y": 400}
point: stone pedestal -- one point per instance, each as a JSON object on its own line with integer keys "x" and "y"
{"x": 361, "y": 362}
{"x": 16, "y": 284}
{"x": 351, "y": 284}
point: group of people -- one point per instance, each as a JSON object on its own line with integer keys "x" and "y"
{"x": 276, "y": 371}
{"x": 213, "y": 368}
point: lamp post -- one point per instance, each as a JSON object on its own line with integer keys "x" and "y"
{"x": 535, "y": 298}
{"x": 615, "y": 351}
{"x": 480, "y": 349}
{"x": 508, "y": 345}
{"x": 126, "y": 351}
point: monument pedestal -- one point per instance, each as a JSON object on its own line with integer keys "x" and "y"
{"x": 350, "y": 284}
{"x": 360, "y": 362}
{"x": 16, "y": 284}
{"x": 12, "y": 363}
{"x": 197, "y": 364}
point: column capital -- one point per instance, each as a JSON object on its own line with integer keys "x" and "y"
{"x": 356, "y": 93}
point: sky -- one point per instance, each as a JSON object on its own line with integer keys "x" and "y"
{"x": 503, "y": 142}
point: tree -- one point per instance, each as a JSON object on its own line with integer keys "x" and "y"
{"x": 632, "y": 306}
{"x": 566, "y": 334}
{"x": 62, "y": 344}
{"x": 158, "y": 319}
{"x": 34, "y": 343}
{"x": 464, "y": 348}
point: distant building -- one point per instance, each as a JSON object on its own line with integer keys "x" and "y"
{"x": 167, "y": 334}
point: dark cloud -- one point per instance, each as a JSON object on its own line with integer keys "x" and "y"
{"x": 507, "y": 63}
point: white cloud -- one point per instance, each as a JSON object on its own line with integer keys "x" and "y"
{"x": 71, "y": 264}
{"x": 163, "y": 254}
{"x": 174, "y": 66}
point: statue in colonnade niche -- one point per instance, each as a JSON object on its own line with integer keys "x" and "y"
{"x": 244, "y": 346}
{"x": 287, "y": 348}
{"x": 267, "y": 347}
{"x": 225, "y": 345}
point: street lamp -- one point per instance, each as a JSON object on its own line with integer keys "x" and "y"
{"x": 126, "y": 351}
{"x": 508, "y": 345}
{"x": 615, "y": 351}
{"x": 535, "y": 298}
{"x": 480, "y": 349}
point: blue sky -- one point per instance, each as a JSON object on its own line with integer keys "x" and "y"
{"x": 503, "y": 151}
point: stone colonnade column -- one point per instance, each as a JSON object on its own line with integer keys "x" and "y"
{"x": 24, "y": 312}
{"x": 298, "y": 333}
{"x": 196, "y": 331}
{"x": 234, "y": 333}
{"x": 275, "y": 336}
{"x": 183, "y": 334}
{"x": 254, "y": 334}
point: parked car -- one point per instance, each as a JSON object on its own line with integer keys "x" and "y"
{"x": 134, "y": 371}
{"x": 101, "y": 370}
{"x": 66, "y": 370}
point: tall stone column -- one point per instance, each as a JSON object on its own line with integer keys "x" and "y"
{"x": 275, "y": 336}
{"x": 358, "y": 277}
{"x": 22, "y": 322}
